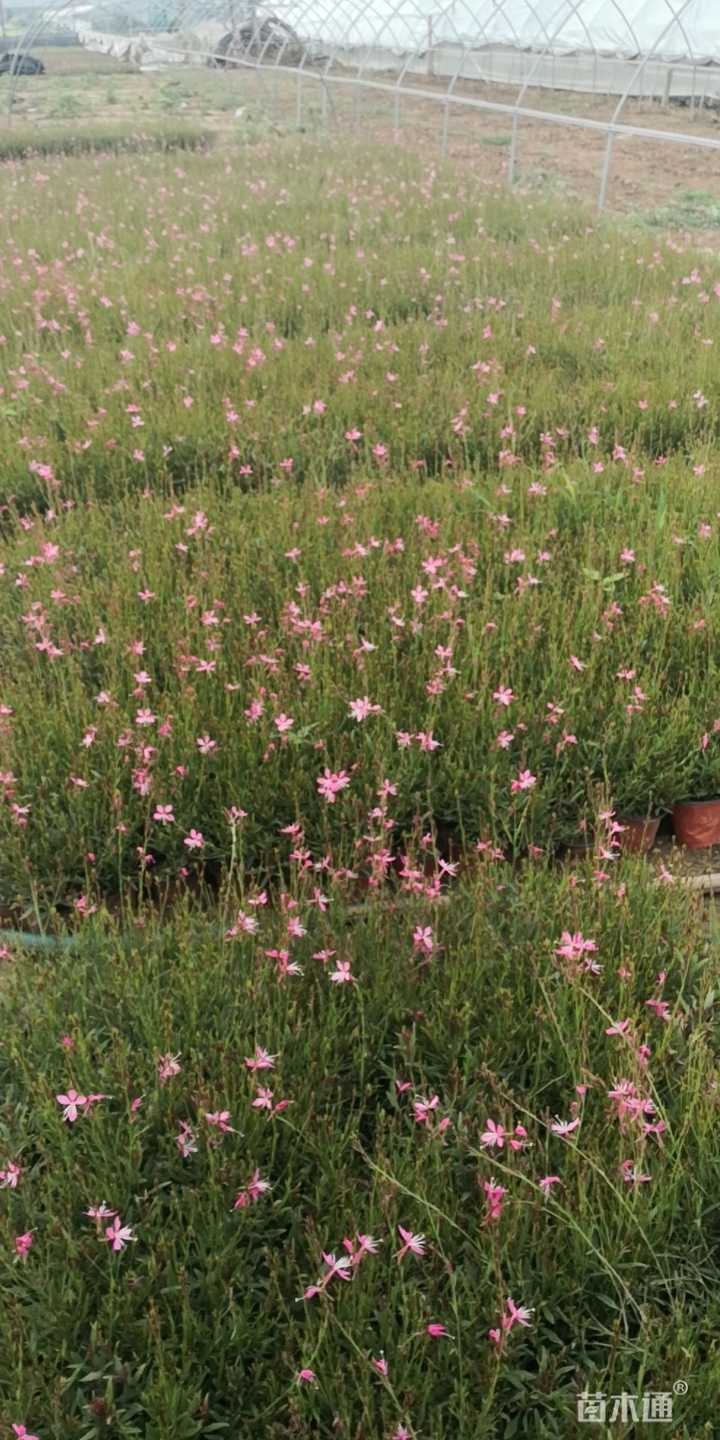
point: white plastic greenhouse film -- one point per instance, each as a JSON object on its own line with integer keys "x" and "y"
{"x": 623, "y": 28}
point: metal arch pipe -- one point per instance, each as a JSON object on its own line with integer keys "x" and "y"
{"x": 618, "y": 7}
{"x": 447, "y": 95}
{"x": 412, "y": 55}
{"x": 498, "y": 107}
{"x": 323, "y": 75}
{"x": 338, "y": 46}
{"x": 30, "y": 36}
{"x": 392, "y": 15}
{"x": 613, "y": 128}
{"x": 550, "y": 40}
{"x": 466, "y": 48}
{"x": 23, "y": 48}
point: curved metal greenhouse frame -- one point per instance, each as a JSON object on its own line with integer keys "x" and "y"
{"x": 449, "y": 53}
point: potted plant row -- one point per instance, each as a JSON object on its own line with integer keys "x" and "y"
{"x": 641, "y": 784}
{"x": 696, "y": 811}
{"x": 674, "y": 769}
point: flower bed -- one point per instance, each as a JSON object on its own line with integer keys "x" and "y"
{"x": 365, "y": 527}
{"x": 410, "y": 1171}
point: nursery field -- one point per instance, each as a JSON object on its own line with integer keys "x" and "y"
{"x": 359, "y": 551}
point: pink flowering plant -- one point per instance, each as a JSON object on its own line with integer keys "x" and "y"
{"x": 344, "y": 569}
{"x": 515, "y": 1129}
{"x": 375, "y": 533}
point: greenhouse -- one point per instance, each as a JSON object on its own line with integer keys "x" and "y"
{"x": 508, "y": 57}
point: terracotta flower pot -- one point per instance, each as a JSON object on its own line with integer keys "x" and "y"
{"x": 697, "y": 823}
{"x": 638, "y": 836}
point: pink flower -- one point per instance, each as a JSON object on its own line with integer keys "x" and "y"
{"x": 437, "y": 1331}
{"x": 252, "y": 1192}
{"x": 525, "y": 781}
{"x": 23, "y": 1434}
{"x": 519, "y": 1314}
{"x": 99, "y": 1213}
{"x": 423, "y": 1109}
{"x": 415, "y": 1243}
{"x": 618, "y": 1028}
{"x": 549, "y": 1180}
{"x": 493, "y": 1199}
{"x": 168, "y": 1066}
{"x": 72, "y": 1102}
{"x": 340, "y": 1268}
{"x": 573, "y": 947}
{"x": 367, "y": 1245}
{"x": 306, "y": 1377}
{"x": 631, "y": 1175}
{"x": 330, "y": 784}
{"x": 9, "y": 1178}
{"x": 564, "y": 1127}
{"x": 426, "y": 741}
{"x": 194, "y": 840}
{"x": 220, "y": 1119}
{"x": 343, "y": 976}
{"x": 261, "y": 1060}
{"x": 505, "y": 739}
{"x": 285, "y": 965}
{"x": 360, "y": 709}
{"x": 504, "y": 695}
{"x": 206, "y": 745}
{"x": 245, "y": 923}
{"x": 164, "y": 814}
{"x": 577, "y": 664}
{"x": 118, "y": 1234}
{"x": 494, "y": 1135}
{"x": 185, "y": 1140}
{"x": 284, "y": 723}
{"x": 522, "y": 1143}
{"x": 22, "y": 1245}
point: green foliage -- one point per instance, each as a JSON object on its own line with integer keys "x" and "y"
{"x": 346, "y": 361}
{"x": 21, "y": 144}
{"x": 351, "y": 513}
{"x": 196, "y": 1327}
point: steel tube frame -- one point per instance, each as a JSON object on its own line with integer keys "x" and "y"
{"x": 448, "y": 35}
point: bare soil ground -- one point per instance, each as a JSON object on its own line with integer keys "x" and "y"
{"x": 82, "y": 91}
